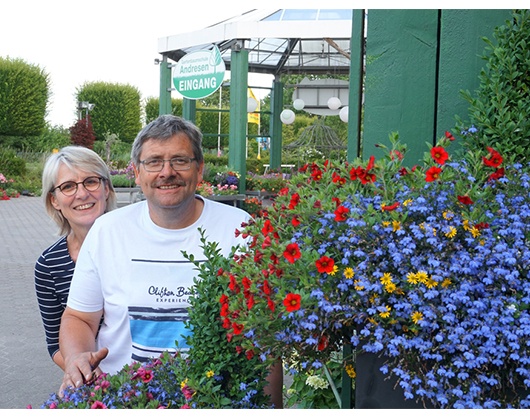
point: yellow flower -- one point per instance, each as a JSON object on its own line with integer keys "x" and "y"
{"x": 417, "y": 316}
{"x": 422, "y": 276}
{"x": 386, "y": 313}
{"x": 184, "y": 383}
{"x": 466, "y": 225}
{"x": 386, "y": 224}
{"x": 430, "y": 283}
{"x": 451, "y": 233}
{"x": 350, "y": 370}
{"x": 210, "y": 373}
{"x": 446, "y": 283}
{"x": 475, "y": 232}
{"x": 396, "y": 225}
{"x": 348, "y": 272}
{"x": 407, "y": 202}
{"x": 334, "y": 271}
{"x": 357, "y": 286}
{"x": 412, "y": 278}
{"x": 387, "y": 278}
{"x": 447, "y": 215}
{"x": 390, "y": 287}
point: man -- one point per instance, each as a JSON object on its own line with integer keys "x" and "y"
{"x": 131, "y": 270}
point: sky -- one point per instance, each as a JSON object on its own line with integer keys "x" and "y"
{"x": 114, "y": 41}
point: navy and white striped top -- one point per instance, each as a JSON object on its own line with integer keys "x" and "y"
{"x": 53, "y": 274}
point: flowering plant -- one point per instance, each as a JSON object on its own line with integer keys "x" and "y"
{"x": 428, "y": 266}
{"x": 271, "y": 182}
{"x": 6, "y": 191}
{"x": 211, "y": 375}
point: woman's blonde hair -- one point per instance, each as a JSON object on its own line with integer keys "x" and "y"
{"x": 76, "y": 158}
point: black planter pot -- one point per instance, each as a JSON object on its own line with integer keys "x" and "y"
{"x": 373, "y": 391}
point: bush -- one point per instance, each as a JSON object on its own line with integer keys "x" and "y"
{"x": 501, "y": 103}
{"x": 10, "y": 164}
{"x": 24, "y": 93}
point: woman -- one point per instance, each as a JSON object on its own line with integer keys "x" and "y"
{"x": 76, "y": 189}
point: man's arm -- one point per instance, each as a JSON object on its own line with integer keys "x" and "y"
{"x": 77, "y": 343}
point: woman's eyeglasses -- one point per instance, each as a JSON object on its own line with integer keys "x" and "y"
{"x": 69, "y": 188}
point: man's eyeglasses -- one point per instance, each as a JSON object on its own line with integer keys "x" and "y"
{"x": 177, "y": 164}
{"x": 69, "y": 188}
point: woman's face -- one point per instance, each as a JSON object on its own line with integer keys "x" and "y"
{"x": 83, "y": 207}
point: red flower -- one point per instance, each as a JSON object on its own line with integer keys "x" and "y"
{"x": 391, "y": 207}
{"x": 295, "y": 222}
{"x": 249, "y": 354}
{"x": 266, "y": 288}
{"x": 292, "y": 302}
{"x": 270, "y": 304}
{"x": 499, "y": 173}
{"x": 292, "y": 253}
{"x": 295, "y": 200}
{"x": 267, "y": 227}
{"x": 325, "y": 264}
{"x": 238, "y": 328}
{"x": 494, "y": 159}
{"x": 246, "y": 283}
{"x": 233, "y": 286}
{"x": 464, "y": 199}
{"x": 340, "y": 213}
{"x": 449, "y": 136}
{"x": 396, "y": 154}
{"x": 322, "y": 342}
{"x": 98, "y": 405}
{"x": 439, "y": 155}
{"x": 250, "y": 302}
{"x": 316, "y": 175}
{"x": 432, "y": 174}
{"x": 337, "y": 179}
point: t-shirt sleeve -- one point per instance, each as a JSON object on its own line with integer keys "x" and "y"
{"x": 85, "y": 291}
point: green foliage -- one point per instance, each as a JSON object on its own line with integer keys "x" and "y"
{"x": 10, "y": 164}
{"x": 500, "y": 105}
{"x": 117, "y": 109}
{"x": 152, "y": 108}
{"x": 209, "y": 348}
{"x": 24, "y": 94}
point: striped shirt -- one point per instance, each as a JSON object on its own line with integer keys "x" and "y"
{"x": 53, "y": 273}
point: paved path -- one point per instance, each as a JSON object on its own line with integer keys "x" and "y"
{"x": 29, "y": 376}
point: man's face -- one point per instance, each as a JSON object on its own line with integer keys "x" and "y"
{"x": 168, "y": 188}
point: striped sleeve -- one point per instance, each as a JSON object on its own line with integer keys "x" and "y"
{"x": 53, "y": 274}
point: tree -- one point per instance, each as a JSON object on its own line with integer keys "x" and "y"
{"x": 82, "y": 133}
{"x": 117, "y": 109}
{"x": 24, "y": 95}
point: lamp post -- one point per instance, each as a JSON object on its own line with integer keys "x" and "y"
{"x": 84, "y": 105}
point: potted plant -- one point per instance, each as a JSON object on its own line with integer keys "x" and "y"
{"x": 424, "y": 268}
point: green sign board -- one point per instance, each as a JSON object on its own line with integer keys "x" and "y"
{"x": 199, "y": 74}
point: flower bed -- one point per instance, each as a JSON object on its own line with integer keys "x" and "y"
{"x": 427, "y": 266}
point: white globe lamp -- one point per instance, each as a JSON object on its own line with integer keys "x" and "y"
{"x": 343, "y": 114}
{"x": 298, "y": 104}
{"x": 252, "y": 104}
{"x": 334, "y": 103}
{"x": 287, "y": 116}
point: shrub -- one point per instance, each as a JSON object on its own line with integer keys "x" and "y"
{"x": 501, "y": 103}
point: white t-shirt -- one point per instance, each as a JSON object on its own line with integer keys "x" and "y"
{"x": 135, "y": 271}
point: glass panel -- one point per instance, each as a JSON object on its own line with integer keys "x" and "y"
{"x": 335, "y": 14}
{"x": 300, "y": 14}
